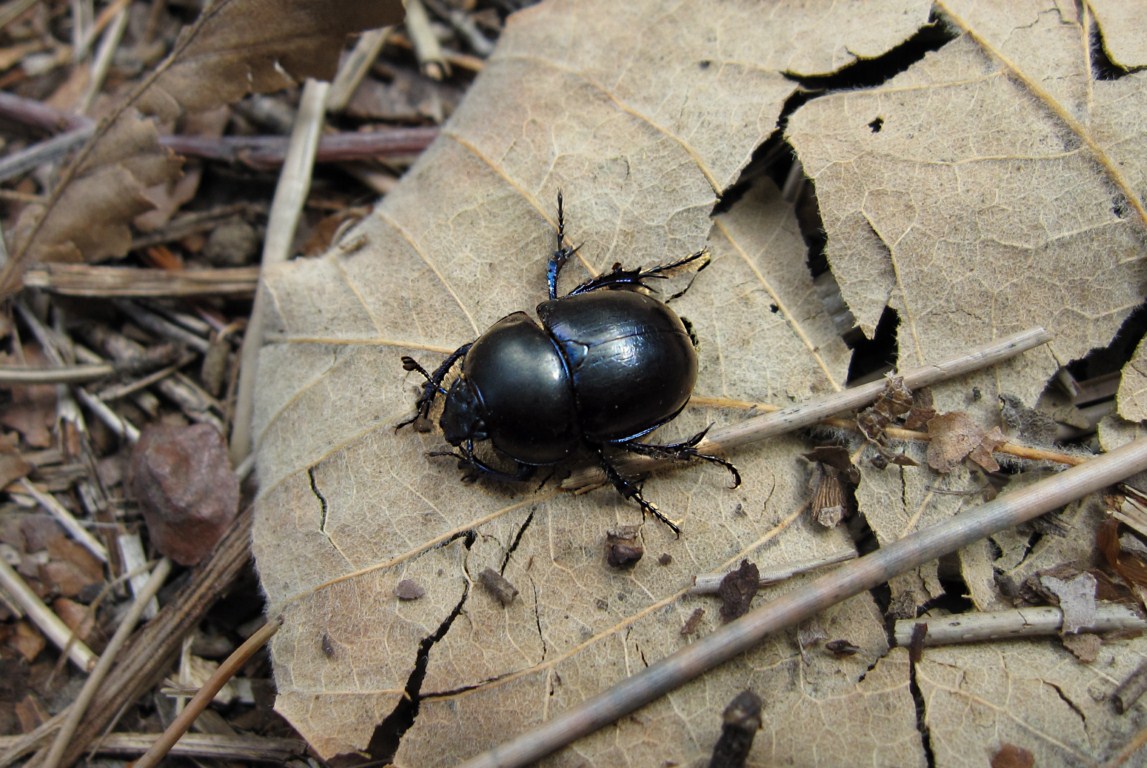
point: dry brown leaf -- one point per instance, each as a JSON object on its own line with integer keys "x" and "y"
{"x": 989, "y": 443}
{"x": 89, "y": 216}
{"x": 641, "y": 119}
{"x": 638, "y": 119}
{"x": 1122, "y": 30}
{"x": 255, "y": 46}
{"x": 944, "y": 192}
{"x": 235, "y": 48}
{"x": 13, "y": 466}
{"x": 1032, "y": 693}
{"x": 1132, "y": 397}
{"x": 955, "y": 437}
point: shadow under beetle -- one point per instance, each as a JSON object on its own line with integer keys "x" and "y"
{"x": 608, "y": 365}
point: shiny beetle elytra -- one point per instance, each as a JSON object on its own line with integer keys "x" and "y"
{"x": 607, "y": 365}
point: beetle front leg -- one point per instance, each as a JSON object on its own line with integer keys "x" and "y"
{"x": 631, "y": 490}
{"x": 433, "y": 386}
{"x": 467, "y": 460}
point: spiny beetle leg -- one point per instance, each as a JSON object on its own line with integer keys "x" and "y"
{"x": 686, "y": 450}
{"x": 637, "y": 277}
{"x": 433, "y": 386}
{"x": 467, "y": 460}
{"x": 630, "y": 490}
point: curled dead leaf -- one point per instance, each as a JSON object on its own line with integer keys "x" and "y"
{"x": 233, "y": 49}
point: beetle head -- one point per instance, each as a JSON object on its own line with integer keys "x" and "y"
{"x": 462, "y": 417}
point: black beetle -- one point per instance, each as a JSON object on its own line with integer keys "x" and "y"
{"x": 608, "y": 365}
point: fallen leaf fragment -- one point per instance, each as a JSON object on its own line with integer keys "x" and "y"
{"x": 1131, "y": 400}
{"x": 895, "y": 401}
{"x": 89, "y": 218}
{"x": 189, "y": 495}
{"x": 31, "y": 410}
{"x": 12, "y": 464}
{"x": 233, "y": 49}
{"x": 981, "y": 454}
{"x": 955, "y": 437}
{"x": 237, "y": 48}
{"x": 1121, "y": 28}
{"x": 1084, "y": 646}
{"x": 1076, "y": 598}
{"x": 27, "y": 640}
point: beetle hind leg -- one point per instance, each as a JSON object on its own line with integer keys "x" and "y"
{"x": 686, "y": 450}
{"x": 619, "y": 276}
{"x": 433, "y": 386}
{"x": 631, "y": 490}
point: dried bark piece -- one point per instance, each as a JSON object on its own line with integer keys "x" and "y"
{"x": 12, "y": 464}
{"x": 694, "y": 621}
{"x": 182, "y": 478}
{"x": 738, "y": 589}
{"x": 894, "y": 402}
{"x": 623, "y": 549}
{"x": 1011, "y": 756}
{"x": 409, "y": 589}
{"x": 742, "y": 720}
{"x": 498, "y": 586}
{"x": 833, "y": 469}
